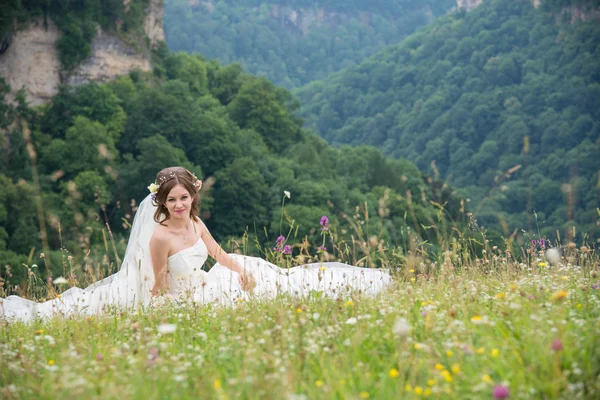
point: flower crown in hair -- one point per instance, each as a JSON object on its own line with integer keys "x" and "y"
{"x": 153, "y": 188}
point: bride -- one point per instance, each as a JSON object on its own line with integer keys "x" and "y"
{"x": 167, "y": 248}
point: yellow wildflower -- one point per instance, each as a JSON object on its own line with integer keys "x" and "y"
{"x": 565, "y": 278}
{"x": 217, "y": 384}
{"x": 298, "y": 310}
{"x": 394, "y": 373}
{"x": 412, "y": 271}
{"x": 541, "y": 264}
{"x": 408, "y": 388}
{"x": 412, "y": 279}
{"x": 561, "y": 294}
{"x": 418, "y": 390}
{"x": 364, "y": 395}
{"x": 513, "y": 287}
{"x": 486, "y": 378}
{"x": 476, "y": 318}
{"x": 349, "y": 303}
{"x": 50, "y": 362}
{"x": 319, "y": 383}
{"x": 431, "y": 382}
{"x": 500, "y": 296}
{"x": 449, "y": 353}
{"x": 495, "y": 352}
{"x": 39, "y": 332}
{"x": 439, "y": 367}
{"x": 427, "y": 392}
{"x": 455, "y": 368}
{"x": 323, "y": 269}
{"x": 480, "y": 350}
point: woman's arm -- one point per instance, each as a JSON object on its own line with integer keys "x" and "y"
{"x": 217, "y": 252}
{"x": 159, "y": 251}
{"x": 246, "y": 280}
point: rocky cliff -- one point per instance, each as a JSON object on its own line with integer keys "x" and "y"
{"x": 32, "y": 61}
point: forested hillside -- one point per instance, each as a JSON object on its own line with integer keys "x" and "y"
{"x": 294, "y": 42}
{"x": 504, "y": 99}
{"x": 97, "y": 147}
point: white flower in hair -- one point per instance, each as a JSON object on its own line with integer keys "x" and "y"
{"x": 153, "y": 188}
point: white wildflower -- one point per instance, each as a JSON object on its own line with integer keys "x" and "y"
{"x": 166, "y": 329}
{"x": 553, "y": 255}
{"x": 287, "y": 194}
{"x": 401, "y": 327}
{"x": 351, "y": 321}
{"x": 60, "y": 280}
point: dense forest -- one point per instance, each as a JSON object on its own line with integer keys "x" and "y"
{"x": 294, "y": 42}
{"x": 95, "y": 148}
{"x": 504, "y": 100}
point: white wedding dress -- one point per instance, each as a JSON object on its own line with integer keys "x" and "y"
{"x": 187, "y": 282}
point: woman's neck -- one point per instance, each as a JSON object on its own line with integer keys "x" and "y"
{"x": 180, "y": 225}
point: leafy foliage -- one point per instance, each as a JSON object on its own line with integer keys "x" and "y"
{"x": 504, "y": 99}
{"x": 294, "y": 42}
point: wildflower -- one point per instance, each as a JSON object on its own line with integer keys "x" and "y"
{"x": 166, "y": 329}
{"x": 553, "y": 255}
{"x": 500, "y": 295}
{"x": 323, "y": 268}
{"x": 287, "y": 194}
{"x": 287, "y": 249}
{"x": 364, "y": 395}
{"x": 401, "y": 328}
{"x": 319, "y": 383}
{"x": 50, "y": 362}
{"x": 412, "y": 279}
{"x": 394, "y": 373}
{"x": 486, "y": 378}
{"x": 449, "y": 353}
{"x": 39, "y": 331}
{"x": 418, "y": 390}
{"x": 456, "y": 368}
{"x": 431, "y": 382}
{"x": 412, "y": 271}
{"x": 557, "y": 345}
{"x": 407, "y": 388}
{"x": 439, "y": 367}
{"x": 480, "y": 350}
{"x": 447, "y": 376}
{"x": 279, "y": 243}
{"x": 217, "y": 384}
{"x": 349, "y": 303}
{"x": 541, "y": 264}
{"x": 321, "y": 249}
{"x": 477, "y": 319}
{"x": 99, "y": 357}
{"x": 351, "y": 321}
{"x": 324, "y": 223}
{"x": 60, "y": 280}
{"x": 495, "y": 352}
{"x": 298, "y": 310}
{"x": 500, "y": 392}
{"x": 427, "y": 392}
{"x": 565, "y": 278}
{"x": 561, "y": 294}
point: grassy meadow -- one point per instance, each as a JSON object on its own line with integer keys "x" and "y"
{"x": 489, "y": 327}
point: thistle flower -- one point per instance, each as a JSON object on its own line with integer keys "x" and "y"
{"x": 557, "y": 345}
{"x": 324, "y": 223}
{"x": 500, "y": 392}
{"x": 287, "y": 249}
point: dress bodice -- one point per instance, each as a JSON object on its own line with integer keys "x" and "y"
{"x": 184, "y": 270}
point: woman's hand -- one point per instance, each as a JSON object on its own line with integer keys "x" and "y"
{"x": 159, "y": 289}
{"x": 246, "y": 281}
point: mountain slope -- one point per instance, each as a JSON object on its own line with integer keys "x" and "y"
{"x": 503, "y": 88}
{"x": 294, "y": 42}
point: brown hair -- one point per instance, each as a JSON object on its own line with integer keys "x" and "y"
{"x": 167, "y": 179}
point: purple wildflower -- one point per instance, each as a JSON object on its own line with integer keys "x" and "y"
{"x": 324, "y": 223}
{"x": 500, "y": 392}
{"x": 287, "y": 249}
{"x": 280, "y": 240}
{"x": 557, "y": 345}
{"x": 595, "y": 286}
{"x": 321, "y": 248}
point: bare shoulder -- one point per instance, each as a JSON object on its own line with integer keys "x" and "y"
{"x": 160, "y": 236}
{"x": 200, "y": 226}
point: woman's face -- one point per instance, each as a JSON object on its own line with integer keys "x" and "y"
{"x": 179, "y": 202}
